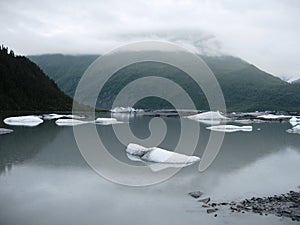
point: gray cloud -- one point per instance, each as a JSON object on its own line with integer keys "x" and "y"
{"x": 264, "y": 33}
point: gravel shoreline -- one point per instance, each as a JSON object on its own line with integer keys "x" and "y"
{"x": 284, "y": 205}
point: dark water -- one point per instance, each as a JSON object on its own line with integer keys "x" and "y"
{"x": 44, "y": 179}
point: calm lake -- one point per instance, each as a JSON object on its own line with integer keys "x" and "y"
{"x": 45, "y": 180}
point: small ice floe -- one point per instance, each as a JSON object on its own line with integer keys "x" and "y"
{"x": 294, "y": 121}
{"x": 27, "y": 121}
{"x": 126, "y": 110}
{"x": 158, "y": 158}
{"x": 71, "y": 122}
{"x": 213, "y": 116}
{"x": 273, "y": 117}
{"x": 5, "y": 131}
{"x": 294, "y": 130}
{"x": 230, "y": 128}
{"x": 54, "y": 116}
{"x": 107, "y": 121}
{"x": 244, "y": 121}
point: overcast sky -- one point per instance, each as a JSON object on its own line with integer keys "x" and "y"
{"x": 263, "y": 32}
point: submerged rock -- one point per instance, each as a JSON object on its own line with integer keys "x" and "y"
{"x": 211, "y": 210}
{"x": 196, "y": 194}
{"x": 204, "y": 200}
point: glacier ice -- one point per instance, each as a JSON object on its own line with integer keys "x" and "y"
{"x": 294, "y": 130}
{"x": 210, "y": 116}
{"x": 273, "y": 117}
{"x": 107, "y": 121}
{"x": 155, "y": 166}
{"x": 243, "y": 121}
{"x": 294, "y": 121}
{"x": 54, "y": 116}
{"x": 229, "y": 128}
{"x": 159, "y": 155}
{"x": 71, "y": 122}
{"x": 137, "y": 150}
{"x": 126, "y": 110}
{"x": 28, "y": 121}
{"x": 5, "y": 131}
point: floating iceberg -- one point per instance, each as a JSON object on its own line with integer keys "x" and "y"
{"x": 54, "y": 116}
{"x": 126, "y": 110}
{"x": 159, "y": 155}
{"x": 107, "y": 121}
{"x": 211, "y": 115}
{"x": 273, "y": 117}
{"x": 294, "y": 121}
{"x": 157, "y": 166}
{"x": 28, "y": 121}
{"x": 243, "y": 121}
{"x": 294, "y": 130}
{"x": 71, "y": 122}
{"x": 5, "y": 131}
{"x": 230, "y": 128}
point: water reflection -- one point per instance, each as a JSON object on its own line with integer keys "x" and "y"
{"x": 24, "y": 144}
{"x": 49, "y": 183}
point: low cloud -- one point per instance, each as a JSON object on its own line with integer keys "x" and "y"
{"x": 265, "y": 33}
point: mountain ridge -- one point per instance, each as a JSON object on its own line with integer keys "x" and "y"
{"x": 245, "y": 86}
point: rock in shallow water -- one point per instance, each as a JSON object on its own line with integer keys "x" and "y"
{"x": 285, "y": 205}
{"x": 196, "y": 194}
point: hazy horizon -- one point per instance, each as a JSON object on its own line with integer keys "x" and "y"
{"x": 262, "y": 33}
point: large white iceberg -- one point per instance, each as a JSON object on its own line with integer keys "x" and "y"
{"x": 54, "y": 116}
{"x": 273, "y": 117}
{"x": 107, "y": 121}
{"x": 294, "y": 121}
{"x": 5, "y": 131}
{"x": 126, "y": 110}
{"x": 159, "y": 155}
{"x": 210, "y": 116}
{"x": 294, "y": 130}
{"x": 28, "y": 121}
{"x": 230, "y": 128}
{"x": 71, "y": 122}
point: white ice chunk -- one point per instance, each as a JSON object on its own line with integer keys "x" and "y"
{"x": 159, "y": 155}
{"x": 244, "y": 121}
{"x": 273, "y": 117}
{"x": 211, "y": 115}
{"x": 53, "y": 116}
{"x": 157, "y": 166}
{"x": 230, "y": 128}
{"x": 5, "y": 131}
{"x": 294, "y": 121}
{"x": 164, "y": 156}
{"x": 28, "y": 121}
{"x": 137, "y": 150}
{"x": 210, "y": 122}
{"x": 126, "y": 110}
{"x": 71, "y": 122}
{"x": 294, "y": 130}
{"x": 107, "y": 121}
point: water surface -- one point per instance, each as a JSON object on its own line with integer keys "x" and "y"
{"x": 45, "y": 180}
